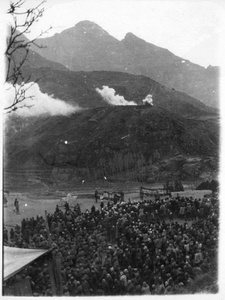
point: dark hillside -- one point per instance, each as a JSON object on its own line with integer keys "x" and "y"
{"x": 131, "y": 143}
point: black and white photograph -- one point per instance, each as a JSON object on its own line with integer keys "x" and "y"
{"x": 111, "y": 148}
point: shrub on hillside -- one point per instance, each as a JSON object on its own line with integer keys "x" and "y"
{"x": 209, "y": 185}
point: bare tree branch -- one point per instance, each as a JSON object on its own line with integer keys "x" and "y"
{"x": 18, "y": 47}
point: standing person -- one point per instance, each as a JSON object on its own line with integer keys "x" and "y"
{"x": 11, "y": 234}
{"x": 96, "y": 195}
{"x": 5, "y": 235}
{"x": 102, "y": 205}
{"x": 66, "y": 205}
{"x": 5, "y": 201}
{"x": 17, "y": 207}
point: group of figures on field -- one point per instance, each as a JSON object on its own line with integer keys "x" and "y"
{"x": 16, "y": 203}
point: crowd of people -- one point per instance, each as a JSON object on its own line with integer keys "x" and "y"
{"x": 127, "y": 248}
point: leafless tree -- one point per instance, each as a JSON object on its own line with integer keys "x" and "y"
{"x": 18, "y": 47}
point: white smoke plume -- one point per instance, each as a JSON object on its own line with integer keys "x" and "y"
{"x": 109, "y": 95}
{"x": 148, "y": 100}
{"x": 39, "y": 104}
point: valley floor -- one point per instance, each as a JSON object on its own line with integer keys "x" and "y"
{"x": 32, "y": 203}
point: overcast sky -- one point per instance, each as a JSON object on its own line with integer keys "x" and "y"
{"x": 190, "y": 29}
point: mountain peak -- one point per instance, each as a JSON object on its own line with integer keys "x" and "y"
{"x": 132, "y": 37}
{"x": 132, "y": 40}
{"x": 89, "y": 26}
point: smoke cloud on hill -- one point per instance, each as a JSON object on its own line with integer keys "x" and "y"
{"x": 148, "y": 99}
{"x": 40, "y": 104}
{"x": 109, "y": 95}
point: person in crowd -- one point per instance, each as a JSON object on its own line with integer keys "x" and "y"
{"x": 15, "y": 204}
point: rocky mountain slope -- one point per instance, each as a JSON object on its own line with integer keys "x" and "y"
{"x": 34, "y": 60}
{"x": 144, "y": 143}
{"x": 88, "y": 47}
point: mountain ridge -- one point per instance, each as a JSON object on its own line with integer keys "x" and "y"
{"x": 94, "y": 49}
{"x": 80, "y": 88}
